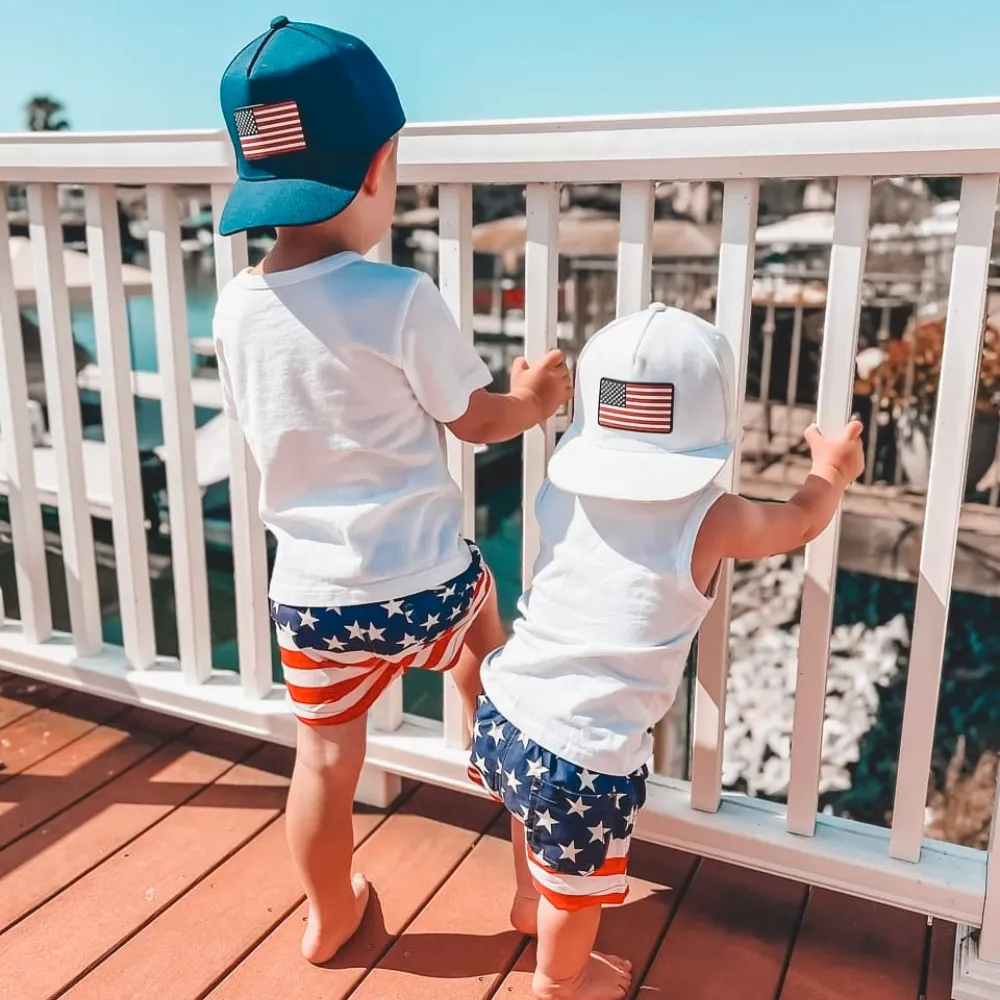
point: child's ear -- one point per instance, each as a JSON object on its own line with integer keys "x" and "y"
{"x": 378, "y": 164}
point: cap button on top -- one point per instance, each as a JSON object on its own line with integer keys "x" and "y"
{"x": 657, "y": 307}
{"x": 279, "y": 22}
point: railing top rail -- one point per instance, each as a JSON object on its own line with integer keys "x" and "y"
{"x": 950, "y": 137}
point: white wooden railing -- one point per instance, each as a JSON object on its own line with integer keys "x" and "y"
{"x": 854, "y": 144}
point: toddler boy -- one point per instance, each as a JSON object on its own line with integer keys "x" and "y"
{"x": 342, "y": 374}
{"x": 633, "y": 532}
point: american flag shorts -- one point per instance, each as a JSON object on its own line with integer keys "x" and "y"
{"x": 578, "y": 825}
{"x": 338, "y": 660}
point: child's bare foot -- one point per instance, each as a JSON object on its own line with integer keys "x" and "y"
{"x": 524, "y": 912}
{"x": 603, "y": 977}
{"x": 325, "y": 937}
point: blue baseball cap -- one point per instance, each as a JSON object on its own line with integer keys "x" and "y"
{"x": 307, "y": 108}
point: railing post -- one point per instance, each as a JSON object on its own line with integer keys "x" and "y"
{"x": 635, "y": 272}
{"x": 732, "y": 316}
{"x": 540, "y": 336}
{"x": 455, "y": 275}
{"x": 249, "y": 541}
{"x": 387, "y": 712}
{"x": 118, "y": 417}
{"x": 836, "y": 385}
{"x": 956, "y": 397}
{"x": 187, "y": 530}
{"x": 635, "y": 247}
{"x": 30, "y": 569}
{"x": 378, "y": 787}
{"x": 62, "y": 397}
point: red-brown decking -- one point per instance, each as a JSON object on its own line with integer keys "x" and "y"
{"x": 142, "y": 857}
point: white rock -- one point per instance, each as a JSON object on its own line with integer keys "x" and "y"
{"x": 762, "y": 681}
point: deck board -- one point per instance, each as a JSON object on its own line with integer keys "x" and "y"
{"x": 73, "y": 843}
{"x": 407, "y": 858}
{"x": 940, "y": 965}
{"x": 145, "y": 857}
{"x": 39, "y": 734}
{"x": 849, "y": 947}
{"x": 229, "y": 912}
{"x": 47, "y": 788}
{"x": 731, "y": 936}
{"x": 135, "y": 884}
{"x": 461, "y": 944}
{"x": 20, "y": 696}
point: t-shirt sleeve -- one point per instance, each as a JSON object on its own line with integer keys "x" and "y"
{"x": 440, "y": 362}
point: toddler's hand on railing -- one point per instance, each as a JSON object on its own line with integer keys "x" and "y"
{"x": 837, "y": 455}
{"x": 546, "y": 384}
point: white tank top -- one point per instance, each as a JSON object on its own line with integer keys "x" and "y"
{"x": 599, "y": 649}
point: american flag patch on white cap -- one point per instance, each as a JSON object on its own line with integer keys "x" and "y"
{"x": 270, "y": 129}
{"x": 645, "y": 407}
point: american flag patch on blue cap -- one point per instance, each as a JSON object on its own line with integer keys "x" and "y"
{"x": 269, "y": 129}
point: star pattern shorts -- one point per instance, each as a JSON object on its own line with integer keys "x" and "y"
{"x": 578, "y": 825}
{"x": 338, "y": 660}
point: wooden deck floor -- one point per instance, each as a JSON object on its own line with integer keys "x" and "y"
{"x": 141, "y": 857}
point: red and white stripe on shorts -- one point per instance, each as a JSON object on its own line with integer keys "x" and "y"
{"x": 326, "y": 688}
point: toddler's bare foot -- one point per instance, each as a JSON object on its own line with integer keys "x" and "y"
{"x": 524, "y": 912}
{"x": 604, "y": 977}
{"x": 325, "y": 936}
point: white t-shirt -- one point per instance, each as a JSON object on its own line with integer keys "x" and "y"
{"x": 341, "y": 374}
{"x": 600, "y": 648}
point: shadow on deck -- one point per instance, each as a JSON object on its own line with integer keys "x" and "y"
{"x": 143, "y": 857}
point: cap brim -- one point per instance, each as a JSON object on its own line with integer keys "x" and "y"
{"x": 272, "y": 202}
{"x": 581, "y": 467}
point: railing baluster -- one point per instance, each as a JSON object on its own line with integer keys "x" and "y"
{"x": 62, "y": 398}
{"x": 30, "y": 569}
{"x": 732, "y": 316}
{"x": 836, "y": 384}
{"x": 455, "y": 274}
{"x": 635, "y": 247}
{"x": 540, "y": 336}
{"x": 187, "y": 529}
{"x": 635, "y": 273}
{"x": 381, "y": 253}
{"x": 387, "y": 712}
{"x": 253, "y": 635}
{"x": 793, "y": 380}
{"x": 766, "y": 362}
{"x": 956, "y": 396}
{"x": 118, "y": 417}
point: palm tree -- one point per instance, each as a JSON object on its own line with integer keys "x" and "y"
{"x": 45, "y": 114}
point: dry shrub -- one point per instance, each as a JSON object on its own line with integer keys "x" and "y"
{"x": 962, "y": 808}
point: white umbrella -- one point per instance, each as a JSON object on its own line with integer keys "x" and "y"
{"x": 804, "y": 229}
{"x": 137, "y": 280}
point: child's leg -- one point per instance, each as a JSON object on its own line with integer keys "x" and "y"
{"x": 485, "y": 634}
{"x": 524, "y": 909}
{"x": 328, "y": 764}
{"x": 567, "y": 965}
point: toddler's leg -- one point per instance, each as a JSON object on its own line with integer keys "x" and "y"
{"x": 524, "y": 909}
{"x": 567, "y": 965}
{"x": 328, "y": 764}
{"x": 483, "y": 636}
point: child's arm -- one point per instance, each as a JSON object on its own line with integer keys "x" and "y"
{"x": 536, "y": 392}
{"x": 736, "y": 528}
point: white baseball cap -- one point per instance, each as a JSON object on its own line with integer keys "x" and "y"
{"x": 654, "y": 413}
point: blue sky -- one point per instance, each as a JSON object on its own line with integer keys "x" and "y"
{"x": 146, "y": 64}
